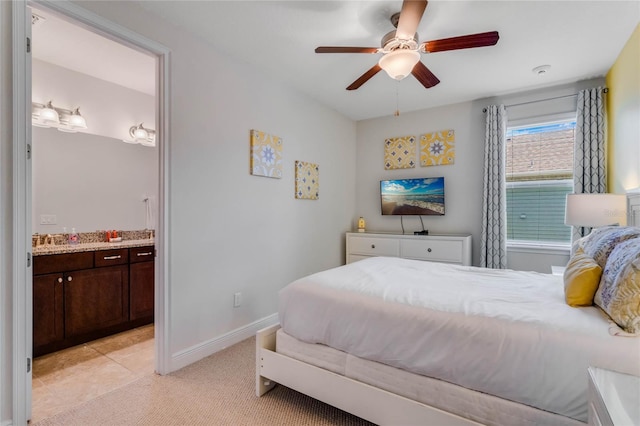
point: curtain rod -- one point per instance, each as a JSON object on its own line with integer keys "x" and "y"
{"x": 606, "y": 90}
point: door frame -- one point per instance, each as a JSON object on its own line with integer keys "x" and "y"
{"x": 21, "y": 251}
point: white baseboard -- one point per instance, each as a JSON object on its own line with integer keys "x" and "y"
{"x": 195, "y": 353}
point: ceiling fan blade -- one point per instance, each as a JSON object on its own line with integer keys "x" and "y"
{"x": 410, "y": 16}
{"x": 346, "y": 49}
{"x": 365, "y": 77}
{"x": 424, "y": 76}
{"x": 462, "y": 42}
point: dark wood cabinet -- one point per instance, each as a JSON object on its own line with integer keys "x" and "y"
{"x": 48, "y": 306}
{"x": 95, "y": 299}
{"x": 79, "y": 297}
{"x": 141, "y": 283}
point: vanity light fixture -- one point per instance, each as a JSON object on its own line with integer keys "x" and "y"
{"x": 45, "y": 115}
{"x": 73, "y": 122}
{"x": 142, "y": 135}
{"x": 65, "y": 120}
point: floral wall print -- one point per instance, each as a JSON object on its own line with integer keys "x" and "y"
{"x": 307, "y": 180}
{"x": 400, "y": 153}
{"x": 266, "y": 155}
{"x": 437, "y": 148}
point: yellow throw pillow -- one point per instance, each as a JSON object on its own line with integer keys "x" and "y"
{"x": 581, "y": 280}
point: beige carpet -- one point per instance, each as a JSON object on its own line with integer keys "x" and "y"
{"x": 218, "y": 390}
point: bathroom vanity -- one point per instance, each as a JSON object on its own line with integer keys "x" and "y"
{"x": 88, "y": 291}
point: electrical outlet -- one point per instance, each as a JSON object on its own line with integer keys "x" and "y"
{"x": 48, "y": 219}
{"x": 237, "y": 299}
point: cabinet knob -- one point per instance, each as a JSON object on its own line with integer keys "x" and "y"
{"x": 69, "y": 278}
{"x": 59, "y": 279}
{"x": 373, "y": 246}
{"x": 429, "y": 249}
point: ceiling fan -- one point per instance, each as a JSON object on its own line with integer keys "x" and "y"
{"x": 401, "y": 49}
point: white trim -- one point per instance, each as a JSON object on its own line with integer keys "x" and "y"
{"x": 195, "y": 353}
{"x": 21, "y": 273}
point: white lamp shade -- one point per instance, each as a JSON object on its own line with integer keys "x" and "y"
{"x": 77, "y": 121}
{"x": 594, "y": 210}
{"x": 48, "y": 115}
{"x": 399, "y": 63}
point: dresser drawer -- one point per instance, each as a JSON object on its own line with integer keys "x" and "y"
{"x": 433, "y": 250}
{"x": 371, "y": 246}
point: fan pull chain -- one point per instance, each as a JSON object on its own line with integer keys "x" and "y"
{"x": 397, "y": 113}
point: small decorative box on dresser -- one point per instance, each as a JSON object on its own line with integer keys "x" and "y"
{"x": 434, "y": 248}
{"x": 614, "y": 398}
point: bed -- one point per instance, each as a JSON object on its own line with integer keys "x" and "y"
{"x": 399, "y": 341}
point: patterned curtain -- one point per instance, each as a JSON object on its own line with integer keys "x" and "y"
{"x": 493, "y": 253}
{"x": 589, "y": 171}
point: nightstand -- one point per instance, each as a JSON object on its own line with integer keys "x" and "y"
{"x": 613, "y": 398}
{"x": 558, "y": 270}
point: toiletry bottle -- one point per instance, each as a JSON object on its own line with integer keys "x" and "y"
{"x": 73, "y": 237}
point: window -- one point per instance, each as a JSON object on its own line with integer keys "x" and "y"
{"x": 539, "y": 171}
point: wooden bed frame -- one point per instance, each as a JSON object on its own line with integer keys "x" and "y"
{"x": 363, "y": 400}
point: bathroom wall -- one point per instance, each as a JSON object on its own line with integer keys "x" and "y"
{"x": 91, "y": 182}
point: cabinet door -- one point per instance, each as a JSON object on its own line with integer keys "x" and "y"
{"x": 141, "y": 283}
{"x": 48, "y": 305}
{"x": 95, "y": 299}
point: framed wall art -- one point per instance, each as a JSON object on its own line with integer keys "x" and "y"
{"x": 400, "y": 153}
{"x": 266, "y": 155}
{"x": 307, "y": 180}
{"x": 437, "y": 148}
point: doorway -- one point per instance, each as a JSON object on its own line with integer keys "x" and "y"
{"x": 102, "y": 84}
{"x": 22, "y": 187}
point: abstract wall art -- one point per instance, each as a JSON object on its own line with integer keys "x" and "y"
{"x": 307, "y": 180}
{"x": 437, "y": 148}
{"x": 266, "y": 155}
{"x": 400, "y": 153}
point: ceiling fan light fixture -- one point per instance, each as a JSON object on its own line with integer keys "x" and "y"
{"x": 399, "y": 63}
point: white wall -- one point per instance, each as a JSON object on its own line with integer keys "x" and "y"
{"x": 91, "y": 182}
{"x": 463, "y": 179}
{"x": 230, "y": 231}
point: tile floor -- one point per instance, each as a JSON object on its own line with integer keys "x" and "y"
{"x": 64, "y": 379}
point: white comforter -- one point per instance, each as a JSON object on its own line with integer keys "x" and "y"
{"x": 502, "y": 332}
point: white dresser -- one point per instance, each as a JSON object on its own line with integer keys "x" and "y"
{"x": 435, "y": 248}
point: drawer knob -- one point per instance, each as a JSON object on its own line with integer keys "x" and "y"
{"x": 429, "y": 249}
{"x": 373, "y": 246}
{"x": 69, "y": 278}
{"x": 59, "y": 279}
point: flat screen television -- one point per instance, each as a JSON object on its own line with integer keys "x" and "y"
{"x": 423, "y": 196}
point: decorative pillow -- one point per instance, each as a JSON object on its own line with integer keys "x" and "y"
{"x": 619, "y": 291}
{"x": 602, "y": 241}
{"x": 581, "y": 279}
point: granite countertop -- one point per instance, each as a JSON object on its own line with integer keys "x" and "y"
{"x": 76, "y": 248}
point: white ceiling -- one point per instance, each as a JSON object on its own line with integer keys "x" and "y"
{"x": 579, "y": 39}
